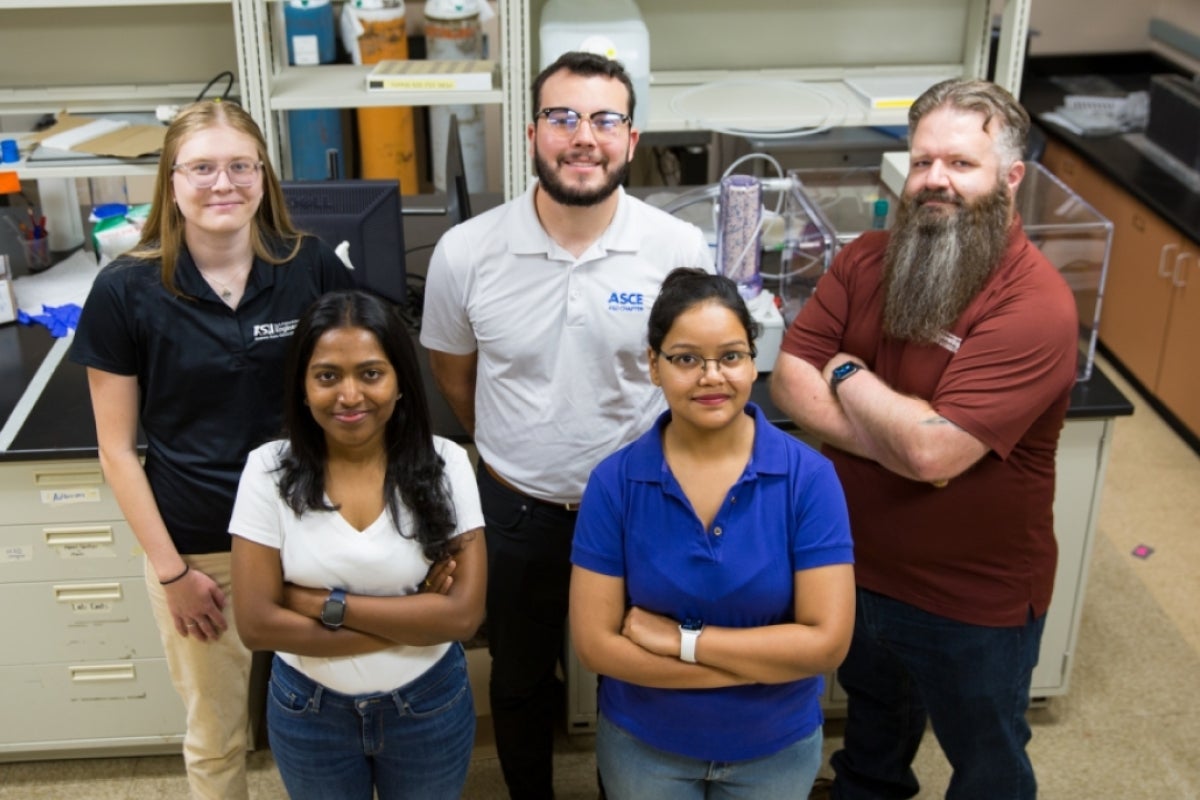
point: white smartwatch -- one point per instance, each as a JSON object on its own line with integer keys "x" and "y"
{"x": 689, "y": 632}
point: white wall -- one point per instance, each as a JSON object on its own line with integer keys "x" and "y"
{"x": 1085, "y": 26}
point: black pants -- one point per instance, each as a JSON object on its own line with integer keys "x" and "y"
{"x": 529, "y": 571}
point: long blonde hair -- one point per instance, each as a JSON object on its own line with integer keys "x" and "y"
{"x": 162, "y": 235}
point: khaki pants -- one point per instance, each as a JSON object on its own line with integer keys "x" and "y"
{"x": 213, "y": 680}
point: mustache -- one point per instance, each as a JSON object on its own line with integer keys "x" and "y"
{"x": 935, "y": 196}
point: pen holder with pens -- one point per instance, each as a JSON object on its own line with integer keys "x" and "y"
{"x": 37, "y": 253}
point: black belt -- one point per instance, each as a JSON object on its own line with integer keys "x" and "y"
{"x": 500, "y": 480}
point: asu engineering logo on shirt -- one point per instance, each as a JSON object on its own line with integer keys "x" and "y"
{"x": 627, "y": 301}
{"x": 274, "y": 330}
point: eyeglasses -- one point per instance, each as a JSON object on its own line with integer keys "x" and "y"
{"x": 204, "y": 174}
{"x": 564, "y": 122}
{"x": 726, "y": 362}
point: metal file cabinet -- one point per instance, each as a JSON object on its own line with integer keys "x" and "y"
{"x": 82, "y": 670}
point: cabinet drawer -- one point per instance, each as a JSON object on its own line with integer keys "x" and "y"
{"x": 56, "y": 491}
{"x": 68, "y": 621}
{"x": 46, "y": 705}
{"x": 66, "y": 551}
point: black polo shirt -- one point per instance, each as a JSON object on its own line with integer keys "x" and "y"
{"x": 210, "y": 378}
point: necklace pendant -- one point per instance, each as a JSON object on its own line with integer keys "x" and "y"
{"x": 226, "y": 294}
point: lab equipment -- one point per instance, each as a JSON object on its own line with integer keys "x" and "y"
{"x": 613, "y": 28}
{"x": 738, "y": 234}
{"x": 314, "y": 136}
{"x": 453, "y": 32}
{"x": 364, "y": 213}
{"x": 374, "y": 31}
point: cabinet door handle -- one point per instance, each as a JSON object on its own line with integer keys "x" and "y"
{"x": 102, "y": 672}
{"x": 1163, "y": 255}
{"x": 1179, "y": 274}
{"x": 77, "y": 592}
{"x": 74, "y": 477}
{"x": 71, "y": 537}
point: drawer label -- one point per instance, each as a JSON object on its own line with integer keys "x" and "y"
{"x": 67, "y": 497}
{"x": 71, "y": 552}
{"x": 16, "y": 552}
{"x": 92, "y": 607}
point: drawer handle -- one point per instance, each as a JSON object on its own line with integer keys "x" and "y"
{"x": 75, "y": 477}
{"x": 72, "y": 537}
{"x": 103, "y": 672}
{"x": 1178, "y": 277}
{"x": 1163, "y": 255}
{"x": 74, "y": 593}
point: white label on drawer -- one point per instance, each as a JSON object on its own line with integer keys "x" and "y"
{"x": 16, "y": 552}
{"x": 92, "y": 607}
{"x": 67, "y": 497}
{"x": 74, "y": 551}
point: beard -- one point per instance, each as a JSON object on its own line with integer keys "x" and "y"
{"x": 566, "y": 195}
{"x": 937, "y": 262}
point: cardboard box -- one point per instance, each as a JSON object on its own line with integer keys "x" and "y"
{"x": 102, "y": 137}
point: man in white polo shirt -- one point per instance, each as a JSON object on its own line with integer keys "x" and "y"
{"x": 535, "y": 319}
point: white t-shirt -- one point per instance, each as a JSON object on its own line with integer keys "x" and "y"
{"x": 320, "y": 549}
{"x": 563, "y": 378}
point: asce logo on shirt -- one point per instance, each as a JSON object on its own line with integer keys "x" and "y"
{"x": 626, "y": 301}
{"x": 274, "y": 330}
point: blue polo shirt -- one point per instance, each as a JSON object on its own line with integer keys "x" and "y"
{"x": 210, "y": 378}
{"x": 786, "y": 513}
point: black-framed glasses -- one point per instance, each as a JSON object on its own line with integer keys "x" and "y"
{"x": 726, "y": 362}
{"x": 204, "y": 174}
{"x": 565, "y": 122}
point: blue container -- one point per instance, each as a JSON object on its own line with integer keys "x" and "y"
{"x": 311, "y": 135}
{"x": 310, "y": 32}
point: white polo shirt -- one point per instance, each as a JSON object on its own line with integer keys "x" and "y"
{"x": 563, "y": 378}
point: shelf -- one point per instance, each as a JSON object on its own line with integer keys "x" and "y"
{"x": 768, "y": 101}
{"x": 96, "y": 99}
{"x": 15, "y": 5}
{"x": 85, "y": 168}
{"x": 344, "y": 86}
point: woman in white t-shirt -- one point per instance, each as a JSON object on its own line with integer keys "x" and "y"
{"x": 335, "y": 529}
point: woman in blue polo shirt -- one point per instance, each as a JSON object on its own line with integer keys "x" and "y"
{"x": 712, "y": 583}
{"x": 185, "y": 337}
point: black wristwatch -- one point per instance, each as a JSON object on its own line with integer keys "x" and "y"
{"x": 840, "y": 373}
{"x": 333, "y": 613}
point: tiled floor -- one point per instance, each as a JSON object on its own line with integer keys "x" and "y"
{"x": 1128, "y": 728}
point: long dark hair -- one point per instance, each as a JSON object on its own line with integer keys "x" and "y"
{"x": 415, "y": 472}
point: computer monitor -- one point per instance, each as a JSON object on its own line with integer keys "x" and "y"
{"x": 365, "y": 213}
{"x": 458, "y": 198}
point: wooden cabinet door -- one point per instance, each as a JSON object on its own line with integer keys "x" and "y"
{"x": 1137, "y": 289}
{"x": 1179, "y": 374}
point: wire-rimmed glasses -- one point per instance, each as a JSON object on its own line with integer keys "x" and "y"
{"x": 729, "y": 361}
{"x": 204, "y": 174}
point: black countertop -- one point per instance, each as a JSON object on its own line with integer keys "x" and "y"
{"x": 1113, "y": 156}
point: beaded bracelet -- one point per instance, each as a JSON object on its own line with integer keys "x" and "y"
{"x": 186, "y": 569}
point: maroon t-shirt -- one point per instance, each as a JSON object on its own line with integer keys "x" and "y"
{"x": 980, "y": 550}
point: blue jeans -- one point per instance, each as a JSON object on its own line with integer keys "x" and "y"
{"x": 631, "y": 770}
{"x": 412, "y": 742}
{"x": 972, "y": 682}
